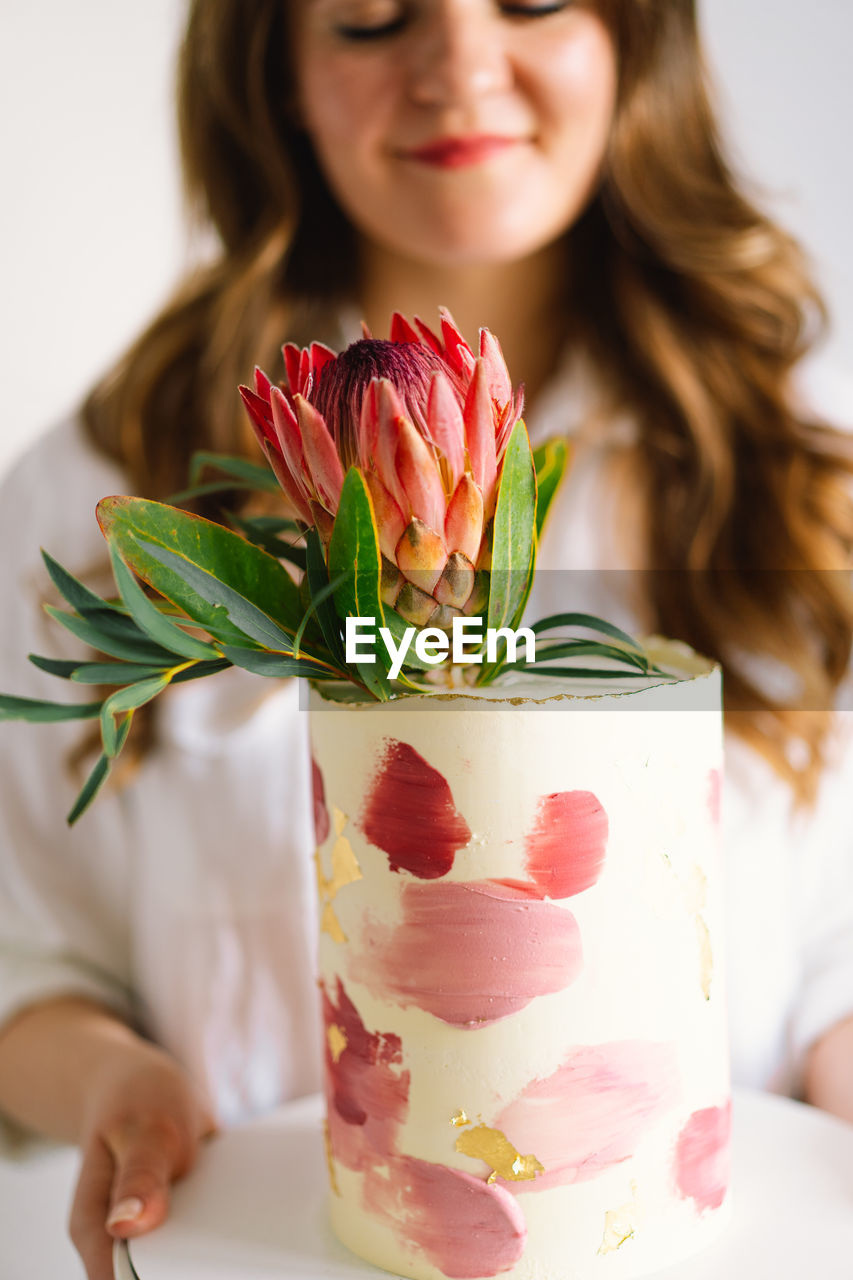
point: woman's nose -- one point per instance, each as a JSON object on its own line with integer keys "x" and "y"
{"x": 461, "y": 55}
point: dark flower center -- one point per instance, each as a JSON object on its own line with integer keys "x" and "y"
{"x": 341, "y": 386}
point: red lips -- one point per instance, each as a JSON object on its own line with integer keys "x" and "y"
{"x": 457, "y": 152}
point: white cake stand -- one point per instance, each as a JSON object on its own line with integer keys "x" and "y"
{"x": 255, "y": 1206}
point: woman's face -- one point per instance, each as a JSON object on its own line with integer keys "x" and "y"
{"x": 456, "y": 132}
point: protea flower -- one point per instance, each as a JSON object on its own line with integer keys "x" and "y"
{"x": 427, "y": 422}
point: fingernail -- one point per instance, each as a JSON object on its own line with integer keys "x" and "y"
{"x": 125, "y": 1211}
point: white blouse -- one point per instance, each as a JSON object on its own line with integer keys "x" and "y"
{"x": 184, "y": 899}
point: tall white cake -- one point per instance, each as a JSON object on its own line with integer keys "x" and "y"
{"x": 526, "y": 1059}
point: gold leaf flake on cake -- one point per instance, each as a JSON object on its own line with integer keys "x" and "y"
{"x": 706, "y": 957}
{"x": 330, "y": 924}
{"x": 620, "y": 1224}
{"x": 345, "y": 868}
{"x": 459, "y": 1119}
{"x": 337, "y": 1039}
{"x": 493, "y": 1147}
{"x": 330, "y": 1159}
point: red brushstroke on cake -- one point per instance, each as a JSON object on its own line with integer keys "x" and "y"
{"x": 321, "y": 813}
{"x": 715, "y": 795}
{"x": 462, "y": 1225}
{"x": 567, "y": 843}
{"x": 703, "y": 1157}
{"x": 465, "y": 1227}
{"x": 367, "y": 1092}
{"x": 410, "y": 814}
{"x": 470, "y": 953}
{"x": 593, "y": 1111}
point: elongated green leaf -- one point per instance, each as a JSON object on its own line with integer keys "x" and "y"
{"x": 355, "y": 558}
{"x": 589, "y": 621}
{"x": 62, "y": 667}
{"x": 81, "y": 599}
{"x": 580, "y": 673}
{"x": 513, "y": 531}
{"x": 281, "y": 665}
{"x": 91, "y": 787}
{"x": 199, "y": 670}
{"x": 251, "y": 622}
{"x": 317, "y": 578}
{"x": 149, "y": 619}
{"x": 134, "y": 525}
{"x": 117, "y": 673}
{"x": 264, "y": 531}
{"x": 581, "y": 648}
{"x": 36, "y": 711}
{"x": 254, "y": 474}
{"x": 549, "y": 461}
{"x": 102, "y": 634}
{"x": 127, "y": 699}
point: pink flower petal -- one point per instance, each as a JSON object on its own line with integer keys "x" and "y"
{"x": 401, "y": 330}
{"x": 390, "y": 414}
{"x": 480, "y": 435}
{"x": 262, "y": 384}
{"x": 320, "y": 454}
{"x": 320, "y": 356}
{"x": 500, "y": 387}
{"x": 389, "y": 517}
{"x": 292, "y": 355}
{"x": 446, "y": 425}
{"x": 429, "y": 339}
{"x": 459, "y": 354}
{"x": 290, "y": 440}
{"x": 259, "y": 413}
{"x": 419, "y": 477}
{"x": 463, "y": 525}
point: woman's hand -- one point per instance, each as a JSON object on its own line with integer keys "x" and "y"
{"x": 141, "y": 1132}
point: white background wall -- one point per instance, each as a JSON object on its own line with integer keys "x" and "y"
{"x": 90, "y": 226}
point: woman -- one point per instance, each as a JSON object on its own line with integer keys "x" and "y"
{"x": 552, "y": 172}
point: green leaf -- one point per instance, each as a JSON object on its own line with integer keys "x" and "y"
{"x": 354, "y": 556}
{"x": 133, "y": 525}
{"x": 589, "y": 621}
{"x": 149, "y": 618}
{"x": 317, "y": 579}
{"x": 242, "y": 613}
{"x": 254, "y": 474}
{"x": 37, "y": 711}
{"x": 81, "y": 599}
{"x": 264, "y": 531}
{"x": 62, "y": 667}
{"x": 91, "y": 787}
{"x": 117, "y": 673}
{"x": 281, "y": 665}
{"x": 513, "y": 539}
{"x": 549, "y": 461}
{"x": 127, "y": 699}
{"x": 104, "y": 636}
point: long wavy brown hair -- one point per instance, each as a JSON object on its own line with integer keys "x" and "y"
{"x": 697, "y": 308}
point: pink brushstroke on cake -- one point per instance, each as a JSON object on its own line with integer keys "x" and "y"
{"x": 367, "y": 1092}
{"x": 715, "y": 795}
{"x": 470, "y": 953}
{"x": 464, "y": 1226}
{"x": 703, "y": 1157}
{"x": 410, "y": 814}
{"x": 567, "y": 843}
{"x": 593, "y": 1111}
{"x": 321, "y": 813}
